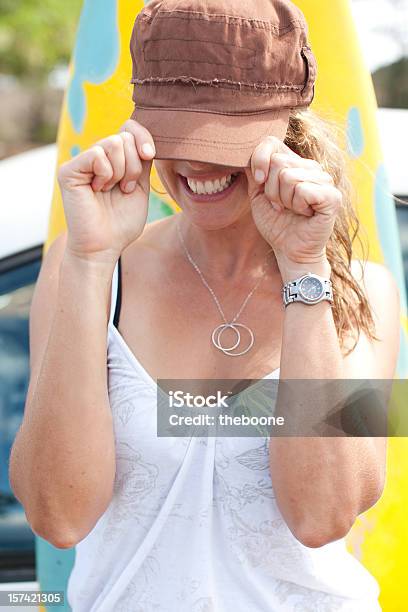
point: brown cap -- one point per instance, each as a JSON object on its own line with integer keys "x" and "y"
{"x": 212, "y": 78}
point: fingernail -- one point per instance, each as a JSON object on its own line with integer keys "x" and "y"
{"x": 259, "y": 176}
{"x": 130, "y": 186}
{"x": 148, "y": 149}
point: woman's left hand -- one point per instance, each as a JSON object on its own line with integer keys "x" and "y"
{"x": 295, "y": 205}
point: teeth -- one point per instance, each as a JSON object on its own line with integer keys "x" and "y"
{"x": 209, "y": 187}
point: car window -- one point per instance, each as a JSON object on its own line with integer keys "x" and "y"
{"x": 18, "y": 275}
{"x": 402, "y": 217}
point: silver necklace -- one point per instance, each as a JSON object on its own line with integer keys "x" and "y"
{"x": 216, "y": 336}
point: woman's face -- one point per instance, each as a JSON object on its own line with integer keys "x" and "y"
{"x": 212, "y": 196}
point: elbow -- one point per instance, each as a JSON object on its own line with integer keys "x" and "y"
{"x": 61, "y": 537}
{"x": 373, "y": 495}
{"x": 56, "y": 531}
{"x": 64, "y": 541}
{"x": 61, "y": 529}
{"x": 314, "y": 530}
{"x": 316, "y": 536}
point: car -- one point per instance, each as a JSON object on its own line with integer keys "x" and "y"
{"x": 27, "y": 181}
{"x": 393, "y": 129}
{"x": 26, "y": 191}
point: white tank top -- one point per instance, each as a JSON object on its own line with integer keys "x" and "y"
{"x": 193, "y": 525}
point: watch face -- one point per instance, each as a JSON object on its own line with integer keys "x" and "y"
{"x": 311, "y": 288}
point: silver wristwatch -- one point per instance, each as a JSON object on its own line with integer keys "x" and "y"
{"x": 309, "y": 289}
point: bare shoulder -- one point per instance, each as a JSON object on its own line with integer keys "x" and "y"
{"x": 372, "y": 271}
{"x": 378, "y": 284}
{"x": 151, "y": 262}
{"x": 377, "y": 358}
{"x": 151, "y": 249}
{"x": 156, "y": 230}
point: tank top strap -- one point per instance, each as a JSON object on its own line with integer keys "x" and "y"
{"x": 116, "y": 294}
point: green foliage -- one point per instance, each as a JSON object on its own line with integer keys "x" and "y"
{"x": 36, "y": 35}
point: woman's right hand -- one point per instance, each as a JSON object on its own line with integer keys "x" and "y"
{"x": 105, "y": 193}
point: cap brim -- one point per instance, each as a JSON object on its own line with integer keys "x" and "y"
{"x": 227, "y": 140}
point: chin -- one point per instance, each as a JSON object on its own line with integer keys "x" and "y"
{"x": 207, "y": 219}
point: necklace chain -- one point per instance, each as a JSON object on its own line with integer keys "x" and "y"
{"x": 232, "y": 323}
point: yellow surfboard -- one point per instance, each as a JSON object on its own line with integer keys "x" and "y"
{"x": 99, "y": 99}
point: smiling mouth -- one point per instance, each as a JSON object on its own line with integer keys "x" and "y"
{"x": 203, "y": 194}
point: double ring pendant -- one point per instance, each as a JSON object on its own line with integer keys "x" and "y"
{"x": 228, "y": 350}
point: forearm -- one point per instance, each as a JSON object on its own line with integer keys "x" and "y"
{"x": 319, "y": 481}
{"x": 62, "y": 464}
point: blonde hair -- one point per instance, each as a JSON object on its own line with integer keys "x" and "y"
{"x": 314, "y": 137}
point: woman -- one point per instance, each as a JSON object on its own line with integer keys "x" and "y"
{"x": 195, "y": 523}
